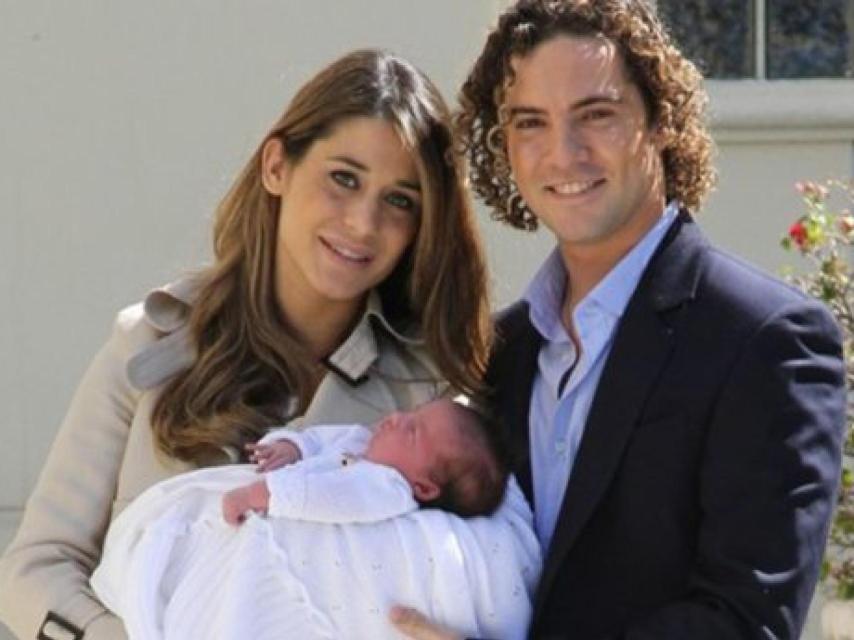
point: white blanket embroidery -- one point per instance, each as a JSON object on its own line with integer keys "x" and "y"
{"x": 173, "y": 569}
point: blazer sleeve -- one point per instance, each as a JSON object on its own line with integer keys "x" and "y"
{"x": 768, "y": 481}
{"x": 46, "y": 567}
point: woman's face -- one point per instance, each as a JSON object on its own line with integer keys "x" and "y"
{"x": 349, "y": 208}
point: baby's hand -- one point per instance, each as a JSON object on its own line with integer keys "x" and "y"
{"x": 273, "y": 455}
{"x": 238, "y": 502}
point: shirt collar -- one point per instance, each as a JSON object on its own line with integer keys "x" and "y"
{"x": 352, "y": 359}
{"x": 544, "y": 296}
{"x": 545, "y": 292}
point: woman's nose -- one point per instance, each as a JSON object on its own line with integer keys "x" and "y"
{"x": 363, "y": 217}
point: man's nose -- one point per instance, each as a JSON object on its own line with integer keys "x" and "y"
{"x": 567, "y": 145}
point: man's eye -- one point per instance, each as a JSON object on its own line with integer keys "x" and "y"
{"x": 527, "y": 123}
{"x": 400, "y": 201}
{"x": 345, "y": 179}
{"x": 597, "y": 114}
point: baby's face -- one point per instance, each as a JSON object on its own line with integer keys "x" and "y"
{"x": 416, "y": 442}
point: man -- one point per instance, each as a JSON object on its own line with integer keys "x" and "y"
{"x": 677, "y": 414}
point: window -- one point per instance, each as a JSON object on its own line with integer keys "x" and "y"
{"x": 765, "y": 39}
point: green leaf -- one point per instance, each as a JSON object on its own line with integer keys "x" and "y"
{"x": 845, "y": 590}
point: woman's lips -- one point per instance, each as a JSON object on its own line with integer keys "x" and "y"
{"x": 346, "y": 251}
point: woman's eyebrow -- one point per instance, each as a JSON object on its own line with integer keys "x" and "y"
{"x": 352, "y": 162}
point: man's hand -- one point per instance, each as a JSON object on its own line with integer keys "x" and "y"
{"x": 238, "y": 502}
{"x": 414, "y": 625}
{"x": 273, "y": 455}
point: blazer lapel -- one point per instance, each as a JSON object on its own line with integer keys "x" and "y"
{"x": 642, "y": 346}
{"x": 515, "y": 366}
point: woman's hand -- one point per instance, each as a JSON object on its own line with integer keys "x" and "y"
{"x": 415, "y": 625}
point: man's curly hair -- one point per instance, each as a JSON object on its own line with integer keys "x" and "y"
{"x": 671, "y": 87}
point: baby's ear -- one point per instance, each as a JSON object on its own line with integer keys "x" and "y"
{"x": 425, "y": 490}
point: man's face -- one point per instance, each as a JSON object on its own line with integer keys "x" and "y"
{"x": 581, "y": 150}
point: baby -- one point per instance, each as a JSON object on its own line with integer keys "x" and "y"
{"x": 343, "y": 537}
{"x": 437, "y": 455}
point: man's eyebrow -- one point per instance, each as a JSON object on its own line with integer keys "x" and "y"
{"x": 413, "y": 186}
{"x": 524, "y": 111}
{"x": 598, "y": 99}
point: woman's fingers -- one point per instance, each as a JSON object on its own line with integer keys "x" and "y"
{"x": 416, "y": 626}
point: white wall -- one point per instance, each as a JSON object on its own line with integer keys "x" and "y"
{"x": 771, "y": 135}
{"x": 121, "y": 125}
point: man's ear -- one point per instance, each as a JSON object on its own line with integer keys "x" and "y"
{"x": 274, "y": 167}
{"x": 661, "y": 140}
{"x": 425, "y": 490}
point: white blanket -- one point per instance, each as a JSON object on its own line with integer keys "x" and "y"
{"x": 173, "y": 569}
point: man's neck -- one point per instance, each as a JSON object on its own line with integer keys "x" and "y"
{"x": 589, "y": 263}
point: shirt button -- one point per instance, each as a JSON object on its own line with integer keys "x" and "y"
{"x": 560, "y": 447}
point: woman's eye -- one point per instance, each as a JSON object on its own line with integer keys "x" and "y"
{"x": 401, "y": 201}
{"x": 345, "y": 179}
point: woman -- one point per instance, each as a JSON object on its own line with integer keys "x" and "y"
{"x": 347, "y": 282}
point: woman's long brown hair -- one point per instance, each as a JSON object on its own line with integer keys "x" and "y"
{"x": 249, "y": 363}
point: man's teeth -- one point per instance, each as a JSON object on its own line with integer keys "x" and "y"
{"x": 571, "y": 188}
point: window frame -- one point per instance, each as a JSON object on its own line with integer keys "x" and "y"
{"x": 794, "y": 110}
{"x": 758, "y": 108}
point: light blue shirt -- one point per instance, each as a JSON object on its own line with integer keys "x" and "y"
{"x": 557, "y": 418}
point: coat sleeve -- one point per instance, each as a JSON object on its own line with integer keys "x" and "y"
{"x": 46, "y": 567}
{"x": 768, "y": 481}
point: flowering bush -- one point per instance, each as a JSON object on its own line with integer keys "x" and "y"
{"x": 824, "y": 236}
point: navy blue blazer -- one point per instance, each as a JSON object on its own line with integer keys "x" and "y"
{"x": 699, "y": 502}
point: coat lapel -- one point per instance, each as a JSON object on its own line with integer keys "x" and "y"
{"x": 642, "y": 346}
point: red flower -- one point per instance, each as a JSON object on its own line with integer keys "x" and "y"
{"x": 798, "y": 234}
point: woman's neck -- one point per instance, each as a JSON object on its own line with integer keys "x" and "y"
{"x": 322, "y": 324}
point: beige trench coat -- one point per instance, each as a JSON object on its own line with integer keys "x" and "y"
{"x": 103, "y": 455}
